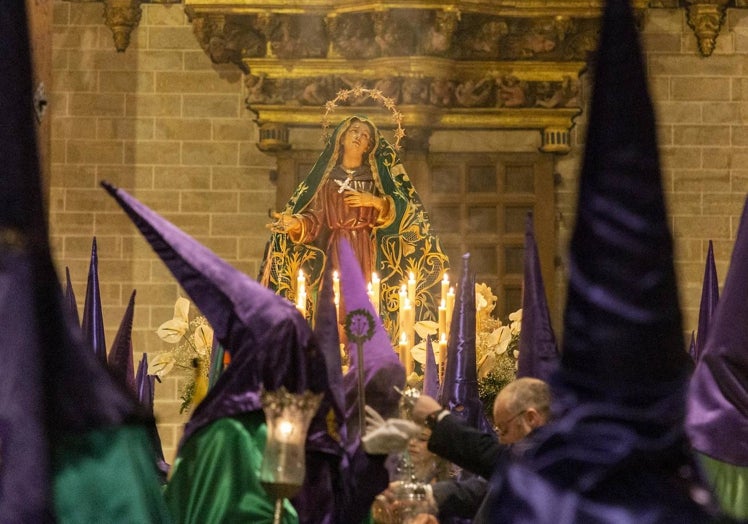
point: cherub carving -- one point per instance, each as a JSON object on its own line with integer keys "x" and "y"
{"x": 415, "y": 91}
{"x": 438, "y": 38}
{"x": 473, "y": 94}
{"x": 232, "y": 44}
{"x": 390, "y": 87}
{"x": 486, "y": 41}
{"x": 353, "y": 36}
{"x": 317, "y": 91}
{"x": 255, "y": 89}
{"x": 512, "y": 91}
{"x": 556, "y": 94}
{"x": 442, "y": 91}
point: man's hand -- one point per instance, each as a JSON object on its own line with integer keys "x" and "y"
{"x": 423, "y": 407}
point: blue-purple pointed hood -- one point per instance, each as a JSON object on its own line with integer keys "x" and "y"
{"x": 459, "y": 390}
{"x": 93, "y": 319}
{"x": 538, "y": 353}
{"x": 709, "y": 299}
{"x": 120, "y": 361}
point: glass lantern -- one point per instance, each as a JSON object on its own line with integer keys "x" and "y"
{"x": 287, "y": 416}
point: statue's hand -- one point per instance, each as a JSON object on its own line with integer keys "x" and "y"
{"x": 355, "y": 198}
{"x": 284, "y": 223}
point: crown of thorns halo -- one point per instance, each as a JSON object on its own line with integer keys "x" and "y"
{"x": 374, "y": 94}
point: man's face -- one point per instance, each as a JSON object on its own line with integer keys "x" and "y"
{"x": 357, "y": 138}
{"x": 509, "y": 425}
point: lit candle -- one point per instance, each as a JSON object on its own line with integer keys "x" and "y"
{"x": 403, "y": 349}
{"x": 401, "y": 298}
{"x": 412, "y": 289}
{"x": 301, "y": 282}
{"x": 301, "y": 293}
{"x": 370, "y": 292}
{"x": 445, "y": 287}
{"x": 336, "y": 291}
{"x": 406, "y": 359}
{"x": 450, "y": 307}
{"x": 443, "y": 319}
{"x": 405, "y": 317}
{"x": 375, "y": 291}
{"x": 442, "y": 363}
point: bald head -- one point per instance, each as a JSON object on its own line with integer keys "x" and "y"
{"x": 523, "y": 405}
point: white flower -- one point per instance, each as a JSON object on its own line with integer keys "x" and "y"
{"x": 426, "y": 327}
{"x": 516, "y": 321}
{"x": 499, "y": 339}
{"x": 162, "y": 364}
{"x": 173, "y": 330}
{"x": 485, "y": 365}
{"x": 418, "y": 352}
{"x": 203, "y": 339}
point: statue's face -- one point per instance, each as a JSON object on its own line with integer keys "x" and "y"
{"x": 357, "y": 138}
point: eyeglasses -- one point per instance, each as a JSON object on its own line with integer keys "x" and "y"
{"x": 502, "y": 427}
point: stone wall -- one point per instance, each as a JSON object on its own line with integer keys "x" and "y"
{"x": 162, "y": 121}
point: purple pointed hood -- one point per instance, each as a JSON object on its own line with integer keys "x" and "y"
{"x": 145, "y": 387}
{"x": 93, "y": 319}
{"x": 120, "y": 355}
{"x": 70, "y": 300}
{"x": 709, "y": 298}
{"x": 459, "y": 390}
{"x": 51, "y": 386}
{"x": 717, "y": 419}
{"x": 430, "y": 372}
{"x": 382, "y": 367}
{"x": 270, "y": 343}
{"x": 617, "y": 450}
{"x": 144, "y": 384}
{"x": 538, "y": 353}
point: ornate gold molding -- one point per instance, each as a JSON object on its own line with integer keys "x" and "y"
{"x": 706, "y": 17}
{"x": 444, "y": 63}
{"x": 465, "y": 65}
{"x": 123, "y": 16}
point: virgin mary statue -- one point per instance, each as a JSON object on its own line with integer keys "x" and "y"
{"x": 358, "y": 190}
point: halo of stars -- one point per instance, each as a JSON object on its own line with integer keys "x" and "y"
{"x": 359, "y": 92}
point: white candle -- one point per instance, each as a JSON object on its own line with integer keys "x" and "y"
{"x": 336, "y": 291}
{"x": 301, "y": 293}
{"x": 443, "y": 318}
{"x": 375, "y": 290}
{"x": 450, "y": 308}
{"x": 412, "y": 289}
{"x": 405, "y": 316}
{"x": 442, "y": 362}
{"x": 370, "y": 292}
{"x": 403, "y": 348}
{"x": 445, "y": 287}
{"x": 401, "y": 298}
{"x": 406, "y": 359}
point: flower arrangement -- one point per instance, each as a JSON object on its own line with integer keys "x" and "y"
{"x": 192, "y": 342}
{"x": 496, "y": 346}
